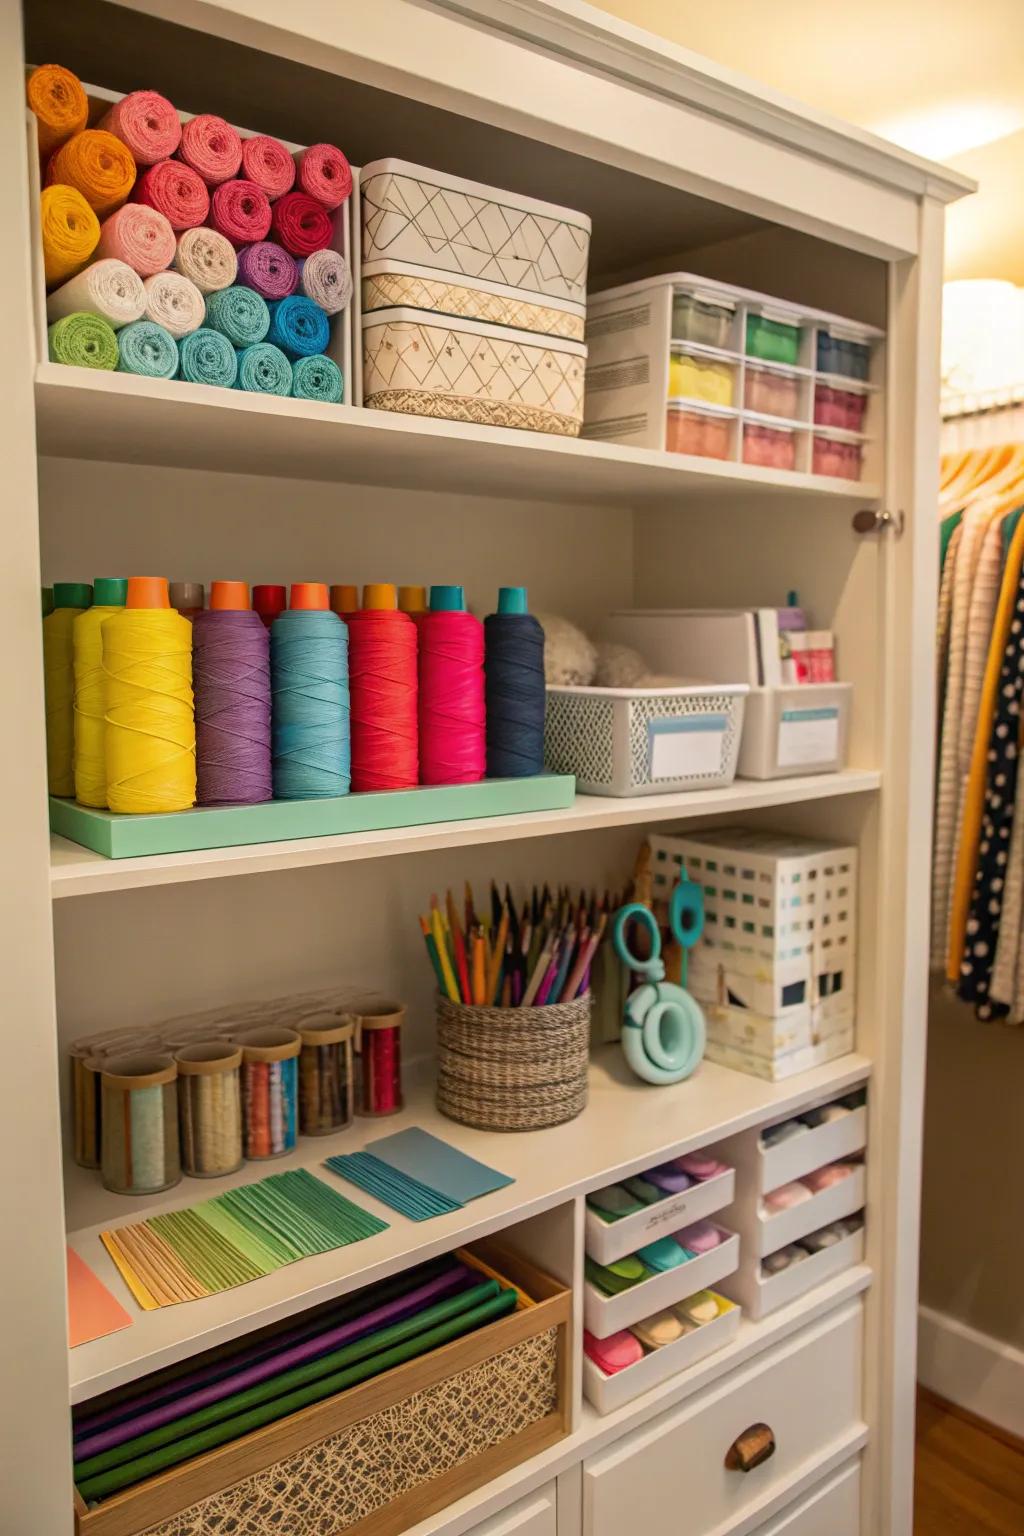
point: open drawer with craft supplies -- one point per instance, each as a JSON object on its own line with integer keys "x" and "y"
{"x": 468, "y": 1395}
{"x": 622, "y": 1217}
{"x": 641, "y": 1288}
{"x": 790, "y": 1148}
{"x": 761, "y": 1286}
{"x": 607, "y": 1388}
{"x": 644, "y": 741}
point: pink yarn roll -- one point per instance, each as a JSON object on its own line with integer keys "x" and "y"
{"x": 240, "y": 210}
{"x": 268, "y": 268}
{"x": 325, "y": 174}
{"x": 147, "y": 123}
{"x": 301, "y": 224}
{"x": 139, "y": 236}
{"x": 175, "y": 191}
{"x": 266, "y": 162}
{"x": 211, "y": 147}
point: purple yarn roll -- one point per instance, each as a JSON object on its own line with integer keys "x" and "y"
{"x": 231, "y": 678}
{"x": 269, "y": 269}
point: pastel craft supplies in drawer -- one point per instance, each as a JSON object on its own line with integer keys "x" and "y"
{"x": 802, "y": 728}
{"x": 695, "y": 377}
{"x": 411, "y": 213}
{"x": 606, "y": 1314}
{"x": 770, "y": 447}
{"x": 842, "y": 354}
{"x": 463, "y": 370}
{"x": 607, "y": 1389}
{"x": 771, "y": 1226}
{"x": 707, "y": 319}
{"x": 760, "y": 1293}
{"x": 810, "y": 1147}
{"x": 843, "y": 408}
{"x": 771, "y": 392}
{"x": 837, "y": 457}
{"x": 683, "y": 1469}
{"x": 707, "y": 433}
{"x": 773, "y": 336}
{"x": 607, "y": 1240}
{"x": 389, "y": 284}
{"x": 644, "y": 741}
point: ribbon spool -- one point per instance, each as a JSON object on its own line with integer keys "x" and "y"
{"x": 663, "y": 1030}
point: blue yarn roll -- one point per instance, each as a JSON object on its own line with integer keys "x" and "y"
{"x": 317, "y": 378}
{"x": 240, "y": 314}
{"x": 145, "y": 348}
{"x": 515, "y": 697}
{"x": 299, "y": 327}
{"x": 264, "y": 370}
{"x": 309, "y": 683}
{"x": 207, "y": 357}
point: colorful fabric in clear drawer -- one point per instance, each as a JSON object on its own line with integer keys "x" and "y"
{"x": 839, "y": 354}
{"x": 772, "y": 393}
{"x": 771, "y": 447}
{"x": 701, "y": 378}
{"x": 697, "y": 318}
{"x": 772, "y": 338}
{"x": 835, "y": 456}
{"x": 843, "y": 408}
{"x": 701, "y": 431}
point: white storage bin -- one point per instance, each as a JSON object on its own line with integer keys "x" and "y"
{"x": 812, "y": 1148}
{"x": 604, "y": 1315}
{"x": 463, "y": 370}
{"x": 404, "y": 285}
{"x": 606, "y": 1393}
{"x": 607, "y": 1241}
{"x": 758, "y": 1296}
{"x": 644, "y": 741}
{"x": 411, "y": 213}
{"x": 764, "y": 1231}
{"x": 775, "y": 1049}
{"x": 794, "y": 730}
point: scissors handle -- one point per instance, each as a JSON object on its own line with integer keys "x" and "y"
{"x": 650, "y": 966}
{"x": 686, "y": 912}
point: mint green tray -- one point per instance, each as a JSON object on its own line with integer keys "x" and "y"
{"x": 129, "y": 837}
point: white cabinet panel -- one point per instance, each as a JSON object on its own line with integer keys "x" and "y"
{"x": 533, "y": 1516}
{"x": 833, "y": 1509}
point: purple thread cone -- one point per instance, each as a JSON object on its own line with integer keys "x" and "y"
{"x": 231, "y": 677}
{"x": 269, "y": 269}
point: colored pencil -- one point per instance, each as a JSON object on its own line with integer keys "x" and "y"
{"x": 450, "y": 986}
{"x": 435, "y": 959}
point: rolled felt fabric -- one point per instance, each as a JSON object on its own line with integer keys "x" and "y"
{"x": 140, "y": 236}
{"x": 324, "y": 173}
{"x": 147, "y": 123}
{"x": 266, "y": 162}
{"x": 317, "y": 378}
{"x": 325, "y": 278}
{"x": 207, "y": 259}
{"x": 299, "y": 327}
{"x": 211, "y": 147}
{"x": 267, "y": 267}
{"x": 264, "y": 370}
{"x": 147, "y": 349}
{"x": 84, "y": 341}
{"x": 239, "y": 314}
{"x": 100, "y": 166}
{"x": 207, "y": 357}
{"x": 61, "y": 107}
{"x": 240, "y": 210}
{"x": 175, "y": 303}
{"x": 108, "y": 288}
{"x": 301, "y": 224}
{"x": 175, "y": 191}
{"x": 70, "y": 232}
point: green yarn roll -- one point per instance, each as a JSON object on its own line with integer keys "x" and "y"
{"x": 240, "y": 314}
{"x": 317, "y": 378}
{"x": 83, "y": 341}
{"x": 207, "y": 357}
{"x": 263, "y": 369}
{"x": 146, "y": 348}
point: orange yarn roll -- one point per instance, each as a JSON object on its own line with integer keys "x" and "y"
{"x": 70, "y": 232}
{"x": 98, "y": 165}
{"x": 60, "y": 105}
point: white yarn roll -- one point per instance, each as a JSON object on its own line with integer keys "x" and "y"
{"x": 326, "y": 279}
{"x": 108, "y": 288}
{"x": 175, "y": 303}
{"x": 206, "y": 259}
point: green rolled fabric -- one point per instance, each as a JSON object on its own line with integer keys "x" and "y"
{"x": 135, "y": 1471}
{"x": 83, "y": 341}
{"x": 207, "y": 357}
{"x": 147, "y": 349}
{"x": 263, "y": 369}
{"x": 317, "y": 378}
{"x": 240, "y": 314}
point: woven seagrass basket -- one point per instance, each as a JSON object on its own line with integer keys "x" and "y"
{"x": 512, "y": 1069}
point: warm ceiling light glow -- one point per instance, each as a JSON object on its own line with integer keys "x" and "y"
{"x": 952, "y": 130}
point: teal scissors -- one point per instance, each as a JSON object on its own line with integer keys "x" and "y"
{"x": 663, "y": 1032}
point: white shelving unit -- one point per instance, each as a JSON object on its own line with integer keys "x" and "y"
{"x": 681, "y": 166}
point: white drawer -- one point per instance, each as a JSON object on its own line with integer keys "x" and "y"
{"x": 833, "y": 1509}
{"x": 671, "y": 1474}
{"x": 607, "y": 1241}
{"x": 766, "y": 1231}
{"x": 604, "y": 1315}
{"x": 533, "y": 1516}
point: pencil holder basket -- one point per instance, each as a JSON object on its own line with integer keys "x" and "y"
{"x": 512, "y": 1069}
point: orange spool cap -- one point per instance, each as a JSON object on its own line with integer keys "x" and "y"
{"x": 412, "y": 600}
{"x": 148, "y": 592}
{"x": 345, "y": 598}
{"x": 309, "y": 594}
{"x": 379, "y": 596}
{"x": 229, "y": 595}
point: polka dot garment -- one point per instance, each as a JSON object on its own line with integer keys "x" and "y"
{"x": 996, "y": 826}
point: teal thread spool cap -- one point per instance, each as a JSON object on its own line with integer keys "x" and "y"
{"x": 447, "y": 599}
{"x": 72, "y": 594}
{"x": 47, "y": 596}
{"x": 512, "y": 600}
{"x": 110, "y": 591}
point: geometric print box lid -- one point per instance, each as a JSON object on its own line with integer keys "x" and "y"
{"x": 411, "y": 213}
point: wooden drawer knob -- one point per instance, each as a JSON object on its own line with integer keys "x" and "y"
{"x": 750, "y": 1448}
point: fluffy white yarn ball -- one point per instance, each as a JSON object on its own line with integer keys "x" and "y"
{"x": 569, "y": 657}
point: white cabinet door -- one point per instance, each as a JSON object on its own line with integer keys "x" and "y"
{"x": 833, "y": 1509}
{"x": 533, "y": 1516}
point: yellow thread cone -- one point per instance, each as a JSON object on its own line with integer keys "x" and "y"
{"x": 90, "y": 698}
{"x": 71, "y": 598}
{"x": 150, "y": 715}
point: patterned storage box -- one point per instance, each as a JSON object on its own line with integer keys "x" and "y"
{"x": 462, "y": 370}
{"x": 644, "y": 741}
{"x": 398, "y": 284}
{"x": 463, "y": 228}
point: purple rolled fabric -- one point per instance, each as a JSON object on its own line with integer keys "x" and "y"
{"x": 282, "y": 1360}
{"x": 267, "y": 267}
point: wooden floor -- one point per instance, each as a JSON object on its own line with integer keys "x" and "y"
{"x": 969, "y": 1478}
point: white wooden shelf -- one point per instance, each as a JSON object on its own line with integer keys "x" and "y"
{"x": 77, "y": 871}
{"x": 84, "y": 413}
{"x": 627, "y": 1126}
